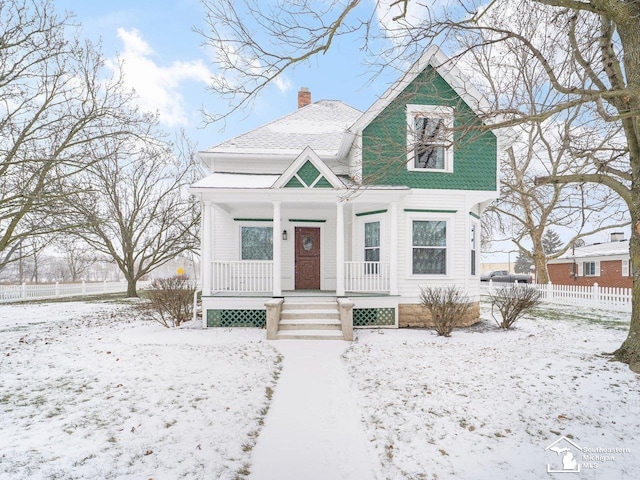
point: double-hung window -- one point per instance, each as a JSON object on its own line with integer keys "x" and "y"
{"x": 589, "y": 269}
{"x": 429, "y": 138}
{"x": 257, "y": 243}
{"x": 371, "y": 246}
{"x": 429, "y": 247}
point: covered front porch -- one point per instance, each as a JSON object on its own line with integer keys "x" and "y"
{"x": 308, "y": 244}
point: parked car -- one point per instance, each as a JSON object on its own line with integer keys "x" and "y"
{"x": 504, "y": 276}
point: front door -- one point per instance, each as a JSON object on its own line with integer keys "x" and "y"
{"x": 307, "y": 258}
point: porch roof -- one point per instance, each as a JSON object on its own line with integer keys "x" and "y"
{"x": 236, "y": 180}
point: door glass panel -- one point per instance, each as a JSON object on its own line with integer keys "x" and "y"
{"x": 307, "y": 243}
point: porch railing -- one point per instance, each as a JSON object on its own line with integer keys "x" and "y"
{"x": 367, "y": 276}
{"x": 242, "y": 276}
{"x": 257, "y": 276}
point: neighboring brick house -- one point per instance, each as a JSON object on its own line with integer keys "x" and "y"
{"x": 606, "y": 264}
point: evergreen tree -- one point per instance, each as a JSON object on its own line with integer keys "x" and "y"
{"x": 523, "y": 263}
{"x": 551, "y": 242}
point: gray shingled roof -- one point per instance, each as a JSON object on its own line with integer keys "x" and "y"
{"x": 597, "y": 250}
{"x": 319, "y": 125}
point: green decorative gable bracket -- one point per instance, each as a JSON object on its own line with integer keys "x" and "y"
{"x": 308, "y": 176}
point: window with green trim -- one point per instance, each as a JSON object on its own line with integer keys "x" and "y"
{"x": 257, "y": 243}
{"x": 429, "y": 247}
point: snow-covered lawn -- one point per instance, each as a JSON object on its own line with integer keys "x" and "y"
{"x": 485, "y": 403}
{"x": 89, "y": 391}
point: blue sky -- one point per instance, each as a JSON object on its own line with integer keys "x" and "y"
{"x": 166, "y": 64}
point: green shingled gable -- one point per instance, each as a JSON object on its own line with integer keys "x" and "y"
{"x": 323, "y": 183}
{"x": 294, "y": 183}
{"x": 384, "y": 140}
{"x": 308, "y": 173}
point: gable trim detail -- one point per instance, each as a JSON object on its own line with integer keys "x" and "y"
{"x": 308, "y": 171}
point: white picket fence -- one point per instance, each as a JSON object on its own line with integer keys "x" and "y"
{"x": 13, "y": 293}
{"x": 613, "y": 298}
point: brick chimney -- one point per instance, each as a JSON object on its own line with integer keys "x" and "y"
{"x": 304, "y": 97}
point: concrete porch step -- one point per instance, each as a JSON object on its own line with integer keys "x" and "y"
{"x": 309, "y": 306}
{"x": 310, "y": 319}
{"x": 310, "y": 324}
{"x": 310, "y": 335}
{"x": 319, "y": 314}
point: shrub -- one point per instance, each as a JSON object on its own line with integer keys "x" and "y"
{"x": 513, "y": 302}
{"x": 447, "y": 306}
{"x": 171, "y": 300}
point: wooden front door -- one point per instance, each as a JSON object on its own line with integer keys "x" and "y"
{"x": 307, "y": 258}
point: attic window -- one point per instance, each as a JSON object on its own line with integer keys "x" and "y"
{"x": 429, "y": 138}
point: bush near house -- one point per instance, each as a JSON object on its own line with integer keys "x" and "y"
{"x": 170, "y": 300}
{"x": 447, "y": 306}
{"x": 512, "y": 302}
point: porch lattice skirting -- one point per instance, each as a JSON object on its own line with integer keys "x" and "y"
{"x": 362, "y": 317}
{"x": 237, "y": 318}
{"x": 374, "y": 317}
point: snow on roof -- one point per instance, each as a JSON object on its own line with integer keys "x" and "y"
{"x": 236, "y": 180}
{"x": 319, "y": 125}
{"x": 598, "y": 250}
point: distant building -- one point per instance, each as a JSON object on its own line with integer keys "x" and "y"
{"x": 606, "y": 264}
{"x": 489, "y": 266}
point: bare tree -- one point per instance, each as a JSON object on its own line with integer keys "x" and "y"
{"x": 526, "y": 212}
{"x": 55, "y": 102}
{"x": 138, "y": 210}
{"x": 77, "y": 256}
{"x": 588, "y": 51}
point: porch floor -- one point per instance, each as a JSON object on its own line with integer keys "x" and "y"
{"x": 298, "y": 293}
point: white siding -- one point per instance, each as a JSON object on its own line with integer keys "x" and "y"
{"x": 224, "y": 235}
{"x": 458, "y": 247}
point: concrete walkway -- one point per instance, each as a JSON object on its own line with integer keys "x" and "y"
{"x": 313, "y": 429}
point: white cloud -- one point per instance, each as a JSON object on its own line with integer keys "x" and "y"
{"x": 158, "y": 87}
{"x": 282, "y": 83}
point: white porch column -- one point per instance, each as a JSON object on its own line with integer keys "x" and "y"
{"x": 340, "y": 249}
{"x": 277, "y": 250}
{"x": 206, "y": 253}
{"x": 393, "y": 246}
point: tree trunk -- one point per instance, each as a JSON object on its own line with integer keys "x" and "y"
{"x": 629, "y": 351}
{"x": 539, "y": 257}
{"x": 540, "y": 262}
{"x": 131, "y": 288}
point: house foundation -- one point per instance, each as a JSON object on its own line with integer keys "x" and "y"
{"x": 417, "y": 315}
